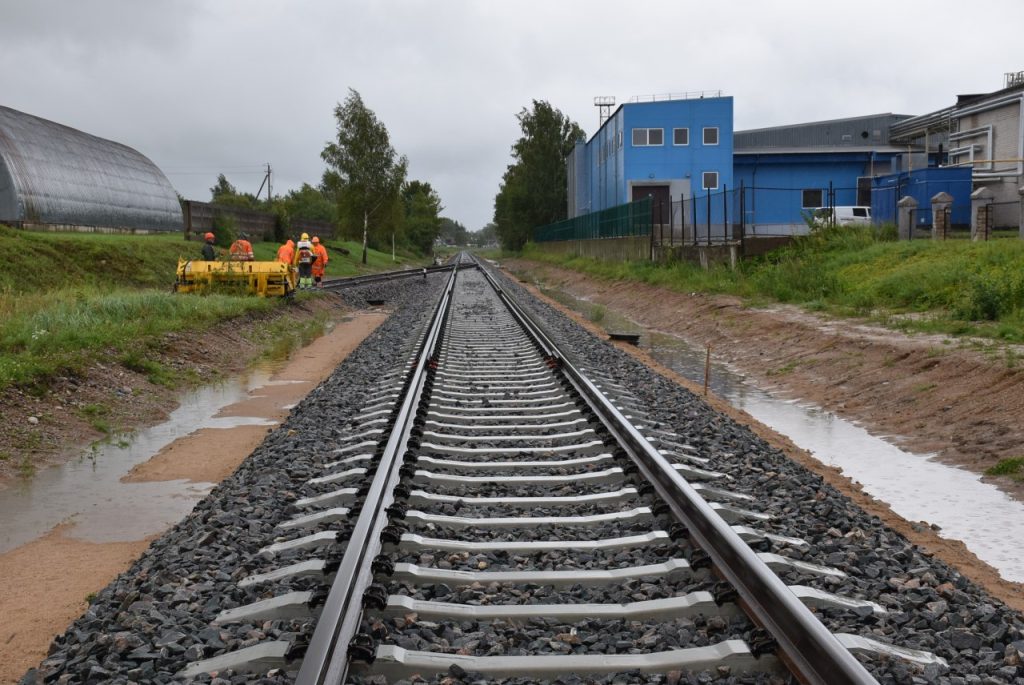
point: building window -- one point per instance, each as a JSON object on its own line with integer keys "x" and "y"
{"x": 864, "y": 191}
{"x": 711, "y": 135}
{"x": 680, "y": 136}
{"x": 709, "y": 180}
{"x": 646, "y": 137}
{"x": 811, "y": 199}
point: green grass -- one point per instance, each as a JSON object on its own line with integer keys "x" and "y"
{"x": 280, "y": 337}
{"x": 954, "y": 287}
{"x": 70, "y": 299}
{"x": 96, "y": 414}
{"x": 1012, "y": 467}
{"x": 61, "y": 331}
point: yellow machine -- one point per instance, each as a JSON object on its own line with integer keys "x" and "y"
{"x": 266, "y": 279}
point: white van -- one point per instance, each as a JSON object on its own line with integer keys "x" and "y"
{"x": 845, "y": 216}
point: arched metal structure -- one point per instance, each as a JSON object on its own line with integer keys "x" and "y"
{"x": 52, "y": 174}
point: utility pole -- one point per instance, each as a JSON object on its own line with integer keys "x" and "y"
{"x": 266, "y": 182}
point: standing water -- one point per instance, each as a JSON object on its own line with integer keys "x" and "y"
{"x": 88, "y": 491}
{"x": 915, "y": 486}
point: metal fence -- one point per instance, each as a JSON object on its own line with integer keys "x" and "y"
{"x": 632, "y": 219}
{"x": 736, "y": 215}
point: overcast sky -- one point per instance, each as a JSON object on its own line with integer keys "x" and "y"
{"x": 202, "y": 87}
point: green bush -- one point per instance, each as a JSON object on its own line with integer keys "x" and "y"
{"x": 224, "y": 230}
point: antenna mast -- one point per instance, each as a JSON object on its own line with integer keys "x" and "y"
{"x": 604, "y": 104}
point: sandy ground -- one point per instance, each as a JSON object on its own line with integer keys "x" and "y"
{"x": 641, "y": 304}
{"x": 46, "y": 586}
{"x": 46, "y": 581}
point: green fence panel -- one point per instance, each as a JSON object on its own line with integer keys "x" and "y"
{"x": 630, "y": 219}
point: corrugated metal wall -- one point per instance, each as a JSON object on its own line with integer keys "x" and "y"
{"x": 54, "y": 174}
{"x": 854, "y": 132}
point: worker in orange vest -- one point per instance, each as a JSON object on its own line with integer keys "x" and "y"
{"x": 286, "y": 252}
{"x": 241, "y": 249}
{"x": 320, "y": 265}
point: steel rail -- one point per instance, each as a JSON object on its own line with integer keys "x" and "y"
{"x": 815, "y": 655}
{"x": 326, "y": 659}
{"x": 337, "y": 283}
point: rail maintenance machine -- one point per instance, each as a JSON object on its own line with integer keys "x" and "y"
{"x": 265, "y": 279}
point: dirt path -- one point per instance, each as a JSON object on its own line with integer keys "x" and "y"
{"x": 770, "y": 339}
{"x": 47, "y": 581}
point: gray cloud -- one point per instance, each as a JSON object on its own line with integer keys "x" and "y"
{"x": 226, "y": 86}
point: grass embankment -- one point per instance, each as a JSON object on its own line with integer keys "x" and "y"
{"x": 67, "y": 300}
{"x": 954, "y": 287}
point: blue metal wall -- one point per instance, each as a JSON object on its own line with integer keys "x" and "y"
{"x": 668, "y": 161}
{"x": 922, "y": 185}
{"x": 775, "y": 183}
{"x": 612, "y": 163}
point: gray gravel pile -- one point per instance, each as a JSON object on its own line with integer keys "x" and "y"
{"x": 155, "y": 618}
{"x": 931, "y": 606}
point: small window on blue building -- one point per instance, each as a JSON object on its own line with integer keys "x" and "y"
{"x": 645, "y": 137}
{"x": 711, "y": 135}
{"x": 811, "y": 199}
{"x": 680, "y": 136}
{"x": 709, "y": 180}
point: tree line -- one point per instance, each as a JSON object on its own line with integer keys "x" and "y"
{"x": 364, "y": 190}
{"x": 533, "y": 189}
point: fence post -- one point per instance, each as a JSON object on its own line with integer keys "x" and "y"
{"x": 693, "y": 206}
{"x": 905, "y": 217}
{"x": 981, "y": 214}
{"x": 725, "y": 213}
{"x": 940, "y": 214}
{"x": 831, "y": 205}
{"x": 743, "y": 216}
{"x": 1020, "y": 208}
{"x": 707, "y": 202}
{"x": 682, "y": 219}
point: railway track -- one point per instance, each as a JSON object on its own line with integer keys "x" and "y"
{"x": 499, "y": 508}
{"x": 353, "y": 281}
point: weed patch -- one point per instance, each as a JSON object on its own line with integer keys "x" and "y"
{"x": 953, "y": 287}
{"x": 1012, "y": 467}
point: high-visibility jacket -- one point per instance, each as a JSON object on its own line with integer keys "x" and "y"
{"x": 286, "y": 252}
{"x": 321, "y": 259}
{"x": 304, "y": 254}
{"x": 241, "y": 250}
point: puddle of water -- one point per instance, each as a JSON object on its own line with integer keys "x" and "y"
{"x": 89, "y": 491}
{"x": 915, "y": 486}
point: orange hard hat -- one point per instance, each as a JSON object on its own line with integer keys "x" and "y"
{"x": 209, "y": 236}
{"x": 315, "y": 239}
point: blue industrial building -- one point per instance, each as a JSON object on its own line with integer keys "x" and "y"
{"x": 789, "y": 171}
{"x": 706, "y": 180}
{"x": 666, "y": 149}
